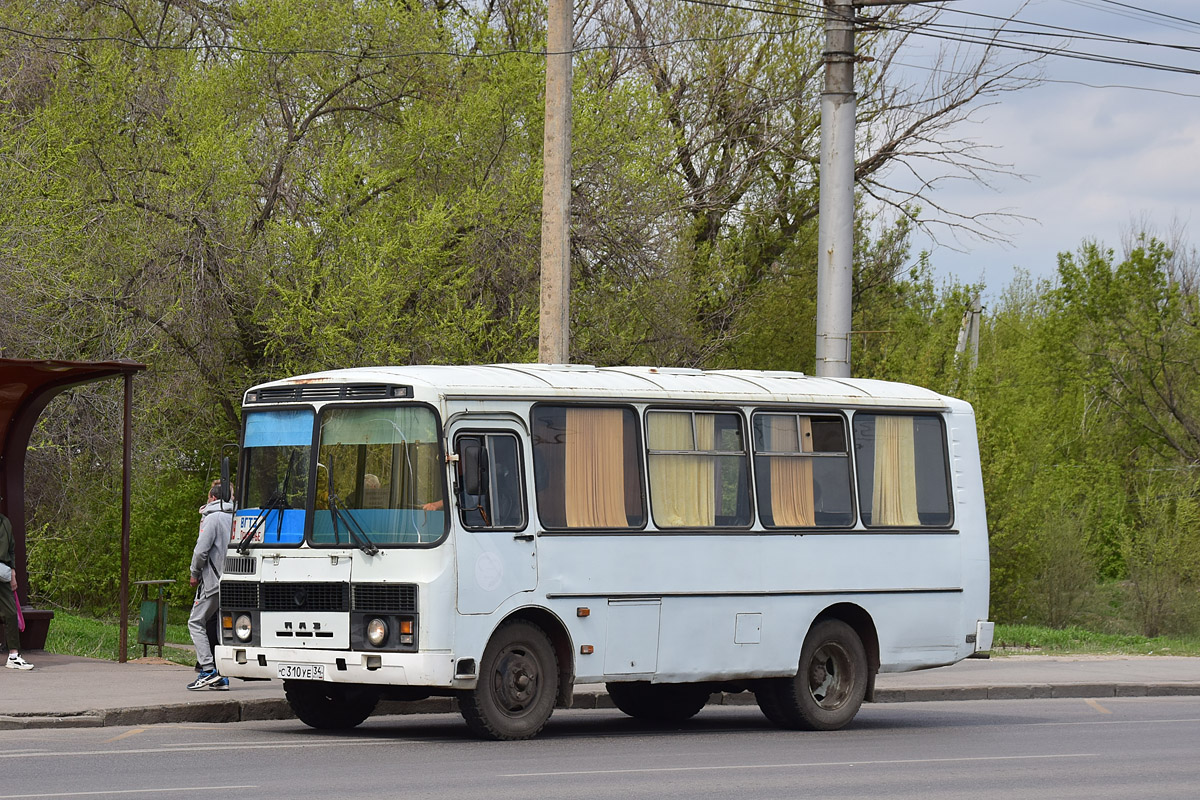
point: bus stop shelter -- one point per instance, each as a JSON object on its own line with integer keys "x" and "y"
{"x": 26, "y": 388}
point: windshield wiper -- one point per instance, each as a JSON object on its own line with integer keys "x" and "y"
{"x": 354, "y": 530}
{"x": 276, "y": 502}
{"x": 358, "y": 536}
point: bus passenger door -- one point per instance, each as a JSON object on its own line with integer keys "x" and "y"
{"x": 496, "y": 547}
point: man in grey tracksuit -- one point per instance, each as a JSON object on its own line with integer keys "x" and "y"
{"x": 208, "y": 562}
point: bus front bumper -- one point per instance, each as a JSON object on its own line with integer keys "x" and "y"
{"x": 342, "y": 666}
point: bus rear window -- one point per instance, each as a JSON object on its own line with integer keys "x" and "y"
{"x": 586, "y": 467}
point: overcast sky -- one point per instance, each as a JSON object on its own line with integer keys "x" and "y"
{"x": 1098, "y": 161}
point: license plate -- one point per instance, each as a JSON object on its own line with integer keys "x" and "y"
{"x": 302, "y": 672}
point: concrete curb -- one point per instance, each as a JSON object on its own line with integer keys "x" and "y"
{"x": 1037, "y": 691}
{"x": 85, "y": 719}
{"x": 227, "y": 708}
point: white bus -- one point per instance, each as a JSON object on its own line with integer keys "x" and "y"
{"x": 501, "y": 533}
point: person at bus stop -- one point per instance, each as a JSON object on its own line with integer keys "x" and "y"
{"x": 211, "y": 627}
{"x": 208, "y": 562}
{"x": 8, "y": 596}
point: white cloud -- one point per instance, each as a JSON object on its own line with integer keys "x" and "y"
{"x": 1098, "y": 160}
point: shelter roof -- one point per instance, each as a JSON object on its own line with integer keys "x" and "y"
{"x": 23, "y": 380}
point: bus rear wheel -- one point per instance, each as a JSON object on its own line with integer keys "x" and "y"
{"x": 518, "y": 684}
{"x": 330, "y": 706}
{"x": 829, "y": 686}
{"x": 659, "y": 702}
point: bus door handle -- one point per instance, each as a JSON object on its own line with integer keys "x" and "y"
{"x": 523, "y": 537}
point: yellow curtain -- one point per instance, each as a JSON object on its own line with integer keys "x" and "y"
{"x": 792, "y": 503}
{"x": 595, "y": 468}
{"x": 894, "y": 499}
{"x": 682, "y": 487}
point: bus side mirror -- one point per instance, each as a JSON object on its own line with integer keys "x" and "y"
{"x": 473, "y": 465}
{"x": 223, "y": 492}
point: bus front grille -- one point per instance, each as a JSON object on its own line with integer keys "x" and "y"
{"x": 305, "y": 597}
{"x": 385, "y": 598}
{"x": 239, "y": 594}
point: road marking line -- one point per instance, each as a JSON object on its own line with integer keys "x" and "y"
{"x": 797, "y": 765}
{"x": 1098, "y": 707}
{"x": 124, "y": 735}
{"x": 1112, "y": 722}
{"x": 175, "y": 749}
{"x": 126, "y": 791}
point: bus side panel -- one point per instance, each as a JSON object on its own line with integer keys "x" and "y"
{"x": 919, "y": 631}
{"x": 751, "y": 617}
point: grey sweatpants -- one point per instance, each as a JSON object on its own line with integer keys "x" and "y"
{"x": 202, "y": 609}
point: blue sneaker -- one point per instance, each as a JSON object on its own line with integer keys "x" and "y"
{"x": 205, "y": 679}
{"x": 223, "y": 683}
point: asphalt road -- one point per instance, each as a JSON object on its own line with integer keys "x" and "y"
{"x": 1145, "y": 747}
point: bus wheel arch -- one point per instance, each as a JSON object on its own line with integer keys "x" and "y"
{"x": 835, "y": 673}
{"x": 857, "y": 618}
{"x": 560, "y": 639}
{"x": 520, "y": 678}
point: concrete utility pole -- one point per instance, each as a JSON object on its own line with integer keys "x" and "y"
{"x": 554, "y": 321}
{"x": 968, "y": 332}
{"x": 835, "y": 227}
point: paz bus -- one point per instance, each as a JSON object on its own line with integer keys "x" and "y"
{"x": 499, "y": 534}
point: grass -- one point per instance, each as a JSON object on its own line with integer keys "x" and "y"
{"x": 75, "y": 635}
{"x": 1019, "y": 639}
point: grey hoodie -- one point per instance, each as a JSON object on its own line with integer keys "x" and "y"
{"x": 208, "y": 559}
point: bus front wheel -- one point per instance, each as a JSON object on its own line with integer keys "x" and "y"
{"x": 330, "y": 706}
{"x": 518, "y": 684}
{"x": 829, "y": 686}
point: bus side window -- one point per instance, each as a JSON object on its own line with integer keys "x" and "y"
{"x": 802, "y": 468}
{"x": 587, "y": 464}
{"x": 903, "y": 470}
{"x": 699, "y": 471}
{"x": 492, "y": 496}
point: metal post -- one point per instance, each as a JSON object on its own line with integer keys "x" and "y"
{"x": 835, "y": 228}
{"x": 554, "y": 324}
{"x": 127, "y": 465}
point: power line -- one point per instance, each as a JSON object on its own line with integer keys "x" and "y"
{"x": 1085, "y": 84}
{"x": 1072, "y": 33}
{"x": 1151, "y": 12}
{"x": 1048, "y": 51}
{"x": 988, "y": 37}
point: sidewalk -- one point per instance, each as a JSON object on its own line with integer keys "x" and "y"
{"x": 66, "y": 691}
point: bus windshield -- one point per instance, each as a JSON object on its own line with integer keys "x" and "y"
{"x": 380, "y": 480}
{"x": 277, "y": 447}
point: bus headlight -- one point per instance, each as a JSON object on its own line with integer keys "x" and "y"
{"x": 243, "y": 628}
{"x": 377, "y": 632}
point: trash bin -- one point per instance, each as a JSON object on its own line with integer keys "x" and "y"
{"x": 152, "y": 624}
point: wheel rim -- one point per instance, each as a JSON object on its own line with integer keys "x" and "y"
{"x": 830, "y": 676}
{"x": 517, "y": 680}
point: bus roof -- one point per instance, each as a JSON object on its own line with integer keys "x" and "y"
{"x": 546, "y": 381}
